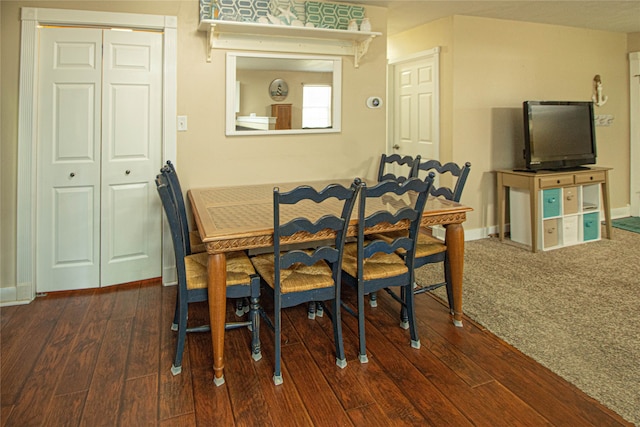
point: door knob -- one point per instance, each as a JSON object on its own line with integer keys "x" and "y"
{"x": 395, "y": 146}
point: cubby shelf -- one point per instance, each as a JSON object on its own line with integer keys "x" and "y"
{"x": 283, "y": 38}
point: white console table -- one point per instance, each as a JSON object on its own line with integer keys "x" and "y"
{"x": 569, "y": 188}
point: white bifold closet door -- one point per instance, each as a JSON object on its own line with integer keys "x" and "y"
{"x": 99, "y": 149}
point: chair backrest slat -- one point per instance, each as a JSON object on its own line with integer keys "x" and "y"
{"x": 406, "y": 161}
{"x": 336, "y": 223}
{"x": 459, "y": 173}
{"x": 415, "y": 192}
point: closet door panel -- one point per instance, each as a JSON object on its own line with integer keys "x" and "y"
{"x": 131, "y": 157}
{"x": 68, "y": 181}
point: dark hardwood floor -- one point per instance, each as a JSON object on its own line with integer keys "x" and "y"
{"x": 102, "y": 358}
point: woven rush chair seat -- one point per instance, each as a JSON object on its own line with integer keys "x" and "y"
{"x": 297, "y": 278}
{"x": 239, "y": 269}
{"x": 426, "y": 246}
{"x": 379, "y": 266}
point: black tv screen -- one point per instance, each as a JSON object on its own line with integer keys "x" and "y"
{"x": 559, "y": 134}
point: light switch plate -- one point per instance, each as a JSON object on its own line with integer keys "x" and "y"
{"x": 182, "y": 123}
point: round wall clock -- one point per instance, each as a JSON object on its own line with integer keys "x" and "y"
{"x": 278, "y": 90}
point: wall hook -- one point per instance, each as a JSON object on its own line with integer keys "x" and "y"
{"x": 597, "y": 97}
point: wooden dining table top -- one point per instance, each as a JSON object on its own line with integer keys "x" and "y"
{"x": 241, "y": 217}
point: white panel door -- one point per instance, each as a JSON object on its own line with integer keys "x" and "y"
{"x": 131, "y": 155}
{"x": 415, "y": 115}
{"x": 68, "y": 182}
{"x": 99, "y": 148}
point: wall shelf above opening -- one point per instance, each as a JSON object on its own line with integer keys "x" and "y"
{"x": 281, "y": 38}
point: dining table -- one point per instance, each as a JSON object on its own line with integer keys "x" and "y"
{"x": 236, "y": 218}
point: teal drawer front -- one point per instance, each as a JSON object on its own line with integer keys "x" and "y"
{"x": 591, "y": 224}
{"x": 551, "y": 202}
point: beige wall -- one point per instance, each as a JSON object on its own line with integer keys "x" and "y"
{"x": 205, "y": 155}
{"x": 633, "y": 41}
{"x": 491, "y": 66}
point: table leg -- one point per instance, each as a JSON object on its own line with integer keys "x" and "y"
{"x": 501, "y": 207}
{"x": 454, "y": 236}
{"x": 607, "y": 206}
{"x": 217, "y": 272}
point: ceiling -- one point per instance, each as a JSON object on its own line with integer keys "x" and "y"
{"x": 606, "y": 15}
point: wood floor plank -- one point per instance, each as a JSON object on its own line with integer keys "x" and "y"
{"x": 310, "y": 381}
{"x": 438, "y": 410}
{"x": 371, "y": 416}
{"x": 104, "y": 397}
{"x": 187, "y": 420}
{"x": 126, "y": 301}
{"x": 41, "y": 383}
{"x": 318, "y": 335}
{"x": 65, "y": 409}
{"x": 243, "y": 383}
{"x": 5, "y": 412}
{"x": 471, "y": 400}
{"x": 82, "y": 358}
{"x": 555, "y": 399}
{"x": 23, "y": 348}
{"x": 176, "y": 393}
{"x": 211, "y": 402}
{"x": 140, "y": 401}
{"x": 286, "y": 407}
{"x": 144, "y": 353}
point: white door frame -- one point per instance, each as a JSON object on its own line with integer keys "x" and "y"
{"x": 634, "y": 141}
{"x": 27, "y": 117}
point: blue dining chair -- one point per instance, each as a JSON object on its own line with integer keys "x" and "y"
{"x": 299, "y": 276}
{"x": 242, "y": 280}
{"x": 193, "y": 242}
{"x": 372, "y": 265}
{"x": 406, "y": 163}
{"x": 430, "y": 249}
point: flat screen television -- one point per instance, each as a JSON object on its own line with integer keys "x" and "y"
{"x": 559, "y": 134}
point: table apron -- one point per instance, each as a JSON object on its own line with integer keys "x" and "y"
{"x": 237, "y": 243}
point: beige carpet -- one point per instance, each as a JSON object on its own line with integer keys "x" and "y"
{"x": 575, "y": 310}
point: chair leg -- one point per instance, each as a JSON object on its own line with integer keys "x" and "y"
{"x": 361, "y": 337}
{"x": 311, "y": 310}
{"x": 341, "y": 361}
{"x": 373, "y": 299}
{"x": 239, "y": 307}
{"x": 413, "y": 328}
{"x": 176, "y": 368}
{"x": 254, "y": 316}
{"x": 176, "y": 314}
{"x": 404, "y": 317}
{"x": 277, "y": 374}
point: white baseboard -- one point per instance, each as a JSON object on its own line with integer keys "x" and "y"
{"x": 621, "y": 212}
{"x": 15, "y": 295}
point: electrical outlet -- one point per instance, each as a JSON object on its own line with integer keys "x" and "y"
{"x": 604, "y": 120}
{"x": 182, "y": 123}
